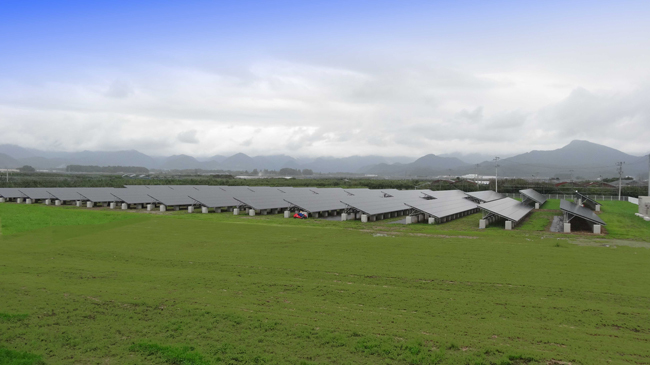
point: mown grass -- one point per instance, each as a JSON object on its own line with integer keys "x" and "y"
{"x": 16, "y": 218}
{"x": 622, "y": 223}
{"x": 220, "y": 289}
{"x": 11, "y": 357}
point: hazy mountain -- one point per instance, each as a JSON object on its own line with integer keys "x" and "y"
{"x": 16, "y": 151}
{"x": 345, "y": 164}
{"x": 7, "y": 161}
{"x": 181, "y": 162}
{"x": 275, "y": 162}
{"x": 240, "y": 162}
{"x": 428, "y": 165}
{"x": 471, "y": 158}
{"x": 577, "y": 159}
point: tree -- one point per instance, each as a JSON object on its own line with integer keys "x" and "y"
{"x": 307, "y": 172}
{"x": 26, "y": 168}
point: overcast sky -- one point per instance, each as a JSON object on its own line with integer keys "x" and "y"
{"x": 337, "y": 78}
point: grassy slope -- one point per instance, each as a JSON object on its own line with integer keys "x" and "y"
{"x": 204, "y": 289}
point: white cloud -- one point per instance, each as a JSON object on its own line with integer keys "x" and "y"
{"x": 309, "y": 110}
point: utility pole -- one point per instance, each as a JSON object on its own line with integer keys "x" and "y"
{"x": 620, "y": 177}
{"x": 496, "y": 181}
{"x": 648, "y": 175}
{"x": 571, "y": 171}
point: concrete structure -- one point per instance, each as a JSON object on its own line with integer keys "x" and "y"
{"x": 112, "y": 206}
{"x": 597, "y": 207}
{"x": 79, "y": 203}
{"x": 644, "y": 205}
{"x": 204, "y": 210}
{"x": 567, "y": 227}
{"x": 287, "y": 214}
{"x": 163, "y": 208}
{"x": 536, "y": 205}
{"x": 2, "y": 200}
{"x": 482, "y": 224}
{"x": 364, "y": 218}
{"x": 89, "y": 204}
{"x": 57, "y": 202}
{"x": 432, "y": 220}
{"x": 509, "y": 225}
{"x": 19, "y": 200}
{"x": 597, "y": 228}
{"x": 125, "y": 206}
{"x": 48, "y": 201}
{"x": 235, "y": 211}
{"x": 190, "y": 209}
{"x": 409, "y": 219}
{"x": 28, "y": 201}
{"x": 251, "y": 212}
{"x": 149, "y": 207}
{"x": 177, "y": 208}
{"x": 344, "y": 217}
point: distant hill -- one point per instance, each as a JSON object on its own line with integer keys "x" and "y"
{"x": 7, "y": 161}
{"x": 181, "y": 162}
{"x": 586, "y": 159}
{"x": 429, "y": 165}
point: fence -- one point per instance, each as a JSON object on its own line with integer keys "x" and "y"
{"x": 571, "y": 197}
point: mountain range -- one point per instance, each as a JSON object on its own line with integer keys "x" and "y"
{"x": 577, "y": 159}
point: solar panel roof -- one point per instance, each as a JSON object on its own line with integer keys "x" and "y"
{"x": 36, "y": 193}
{"x": 374, "y": 205}
{"x": 11, "y": 193}
{"x": 64, "y": 194}
{"x": 315, "y": 203}
{"x": 486, "y": 196}
{"x": 507, "y": 208}
{"x": 534, "y": 196}
{"x": 441, "y": 208}
{"x": 582, "y": 212}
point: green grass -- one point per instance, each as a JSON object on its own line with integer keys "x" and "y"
{"x": 11, "y": 357}
{"x": 15, "y": 218}
{"x": 622, "y": 223}
{"x": 223, "y": 289}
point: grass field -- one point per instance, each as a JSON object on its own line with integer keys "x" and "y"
{"x": 108, "y": 287}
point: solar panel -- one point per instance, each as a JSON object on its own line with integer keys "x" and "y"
{"x": 214, "y": 199}
{"x": 578, "y": 211}
{"x": 441, "y": 208}
{"x": 373, "y": 205}
{"x": 586, "y": 200}
{"x": 486, "y": 196}
{"x": 36, "y": 193}
{"x": 133, "y": 196}
{"x": 445, "y": 194}
{"x": 98, "y": 195}
{"x": 261, "y": 201}
{"x": 533, "y": 195}
{"x": 172, "y": 198}
{"x": 507, "y": 208}
{"x": 11, "y": 193}
{"x": 65, "y": 194}
{"x": 315, "y": 203}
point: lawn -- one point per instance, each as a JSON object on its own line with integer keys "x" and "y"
{"x": 118, "y": 287}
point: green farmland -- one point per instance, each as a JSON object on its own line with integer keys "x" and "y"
{"x": 94, "y": 286}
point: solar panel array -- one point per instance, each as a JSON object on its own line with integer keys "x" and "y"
{"x": 486, "y": 196}
{"x": 582, "y": 212}
{"x": 507, "y": 208}
{"x": 442, "y": 208}
{"x": 534, "y": 196}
